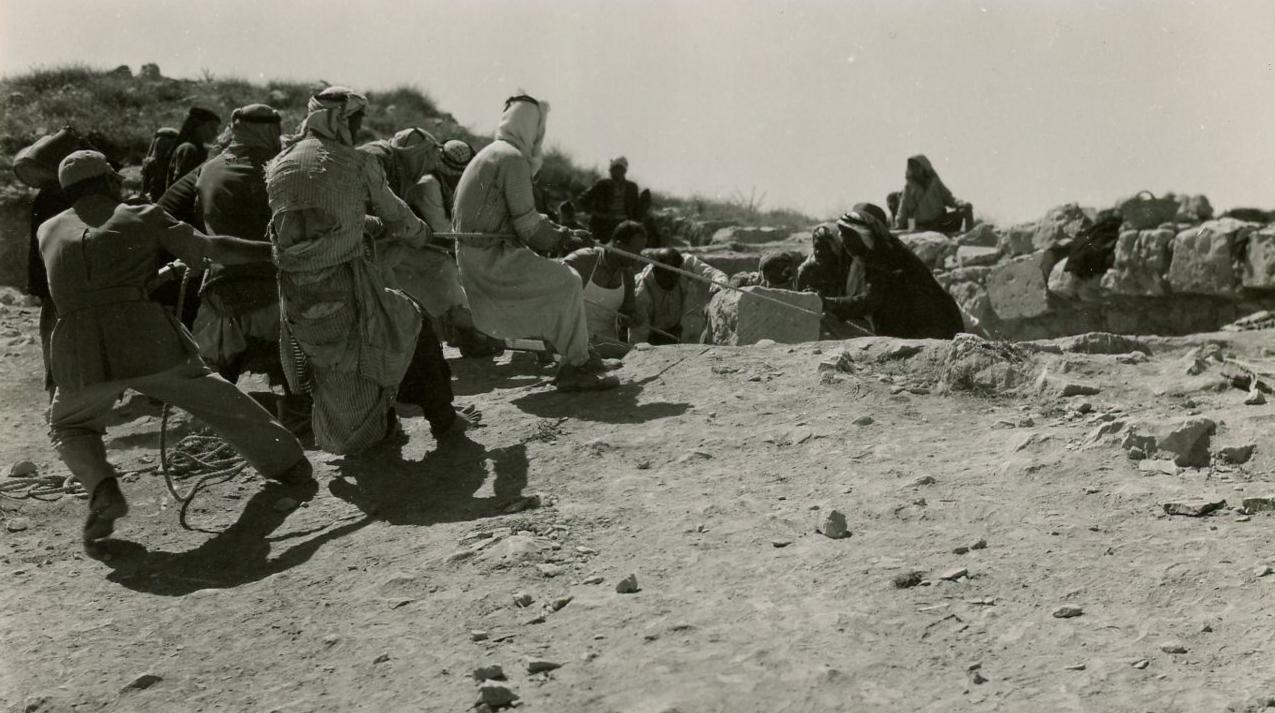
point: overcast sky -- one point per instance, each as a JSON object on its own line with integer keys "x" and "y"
{"x": 814, "y": 104}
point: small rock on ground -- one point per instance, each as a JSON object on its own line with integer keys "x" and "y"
{"x": 495, "y": 695}
{"x": 1173, "y": 647}
{"x": 523, "y": 599}
{"x": 489, "y": 672}
{"x": 833, "y": 525}
{"x": 17, "y": 524}
{"x": 628, "y": 585}
{"x": 1067, "y": 612}
{"x": 535, "y": 665}
{"x": 954, "y": 574}
{"x": 23, "y": 469}
{"x": 144, "y": 681}
{"x": 906, "y": 580}
{"x": 1198, "y": 509}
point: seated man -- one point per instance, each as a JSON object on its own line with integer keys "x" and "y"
{"x": 514, "y": 292}
{"x": 608, "y": 288}
{"x": 109, "y": 337}
{"x": 670, "y": 306}
{"x": 926, "y": 200}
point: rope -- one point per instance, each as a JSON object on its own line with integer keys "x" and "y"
{"x": 45, "y": 487}
{"x": 208, "y": 457}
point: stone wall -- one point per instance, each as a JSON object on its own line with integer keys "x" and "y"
{"x": 1171, "y": 280}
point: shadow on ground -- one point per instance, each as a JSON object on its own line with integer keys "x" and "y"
{"x": 618, "y": 405}
{"x": 439, "y": 488}
{"x": 238, "y": 555}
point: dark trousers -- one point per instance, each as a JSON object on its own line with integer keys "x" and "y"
{"x": 951, "y": 222}
{"x": 428, "y": 381}
{"x": 48, "y": 318}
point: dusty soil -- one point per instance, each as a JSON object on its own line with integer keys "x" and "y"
{"x": 704, "y": 477}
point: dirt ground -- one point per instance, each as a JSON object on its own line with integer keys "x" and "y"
{"x": 704, "y": 477}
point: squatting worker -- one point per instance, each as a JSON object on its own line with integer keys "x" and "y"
{"x": 109, "y": 337}
{"x": 347, "y": 338}
{"x": 608, "y": 288}
{"x": 513, "y": 292}
{"x": 888, "y": 284}
{"x": 671, "y": 306}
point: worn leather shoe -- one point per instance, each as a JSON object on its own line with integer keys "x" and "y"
{"x": 105, "y": 507}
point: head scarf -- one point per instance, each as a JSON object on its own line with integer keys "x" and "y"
{"x": 329, "y": 114}
{"x": 928, "y": 174}
{"x": 416, "y": 151}
{"x": 523, "y": 126}
{"x": 779, "y": 261}
{"x": 826, "y": 236}
{"x": 254, "y": 131}
{"x": 456, "y": 156}
{"x": 621, "y": 162}
{"x": 863, "y": 225}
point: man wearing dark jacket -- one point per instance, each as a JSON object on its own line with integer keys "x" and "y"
{"x": 611, "y": 201}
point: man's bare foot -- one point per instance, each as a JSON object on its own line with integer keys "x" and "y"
{"x": 580, "y": 378}
{"x": 467, "y": 417}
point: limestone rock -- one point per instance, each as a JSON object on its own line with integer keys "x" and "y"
{"x": 1103, "y": 343}
{"x": 495, "y": 696}
{"x": 1205, "y": 258}
{"x": 976, "y": 306}
{"x": 1142, "y": 261}
{"x": 538, "y": 665}
{"x": 1068, "y": 612}
{"x": 907, "y": 580}
{"x": 489, "y": 672}
{"x": 751, "y": 235}
{"x": 1018, "y": 289}
{"x": 987, "y": 368}
{"x": 1194, "y": 509}
{"x": 17, "y": 524}
{"x": 833, "y": 525}
{"x": 1017, "y": 240}
{"x": 739, "y": 318}
{"x": 142, "y": 682}
{"x": 1188, "y": 442}
{"x": 1236, "y": 455}
{"x": 1074, "y": 287}
{"x": 981, "y": 235}
{"x": 1259, "y": 263}
{"x": 628, "y": 585}
{"x": 1194, "y": 209}
{"x": 1060, "y": 225}
{"x": 23, "y": 469}
{"x": 977, "y": 255}
{"x": 932, "y": 248}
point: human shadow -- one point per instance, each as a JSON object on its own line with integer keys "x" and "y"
{"x": 618, "y": 405}
{"x": 438, "y": 488}
{"x": 481, "y": 376}
{"x": 238, "y": 555}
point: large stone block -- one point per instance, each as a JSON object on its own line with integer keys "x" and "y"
{"x": 738, "y": 318}
{"x": 977, "y": 255}
{"x": 1059, "y": 225}
{"x": 1259, "y": 263}
{"x": 1142, "y": 260}
{"x": 747, "y": 235}
{"x": 1019, "y": 289}
{"x": 1017, "y": 240}
{"x": 932, "y": 248}
{"x": 976, "y": 306}
{"x": 1205, "y": 258}
{"x": 1074, "y": 287}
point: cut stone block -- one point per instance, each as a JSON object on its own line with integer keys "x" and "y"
{"x": 977, "y": 255}
{"x": 1259, "y": 266}
{"x": 1074, "y": 287}
{"x": 738, "y": 318}
{"x": 1204, "y": 258}
{"x": 1018, "y": 289}
{"x": 1142, "y": 264}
